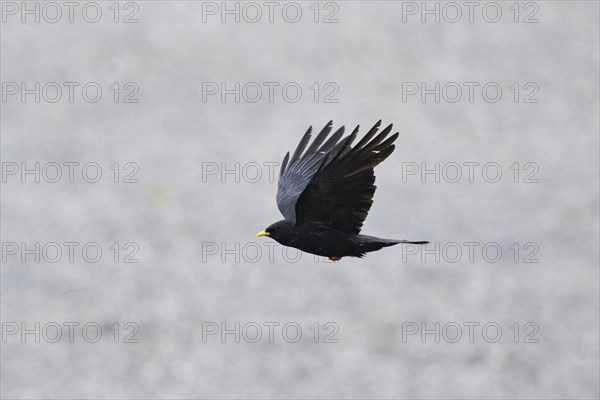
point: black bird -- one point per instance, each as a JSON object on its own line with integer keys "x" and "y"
{"x": 325, "y": 193}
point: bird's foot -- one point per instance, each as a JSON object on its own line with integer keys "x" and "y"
{"x": 334, "y": 258}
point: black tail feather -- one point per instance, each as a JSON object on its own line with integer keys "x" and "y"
{"x": 371, "y": 243}
{"x": 407, "y": 241}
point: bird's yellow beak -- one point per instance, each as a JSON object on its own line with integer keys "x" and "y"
{"x": 263, "y": 233}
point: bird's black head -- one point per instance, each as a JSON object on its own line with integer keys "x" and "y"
{"x": 280, "y": 231}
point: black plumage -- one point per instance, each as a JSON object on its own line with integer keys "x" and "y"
{"x": 325, "y": 192}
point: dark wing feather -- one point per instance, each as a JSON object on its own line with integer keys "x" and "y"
{"x": 296, "y": 173}
{"x": 340, "y": 194}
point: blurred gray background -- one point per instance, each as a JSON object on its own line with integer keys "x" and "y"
{"x": 173, "y": 215}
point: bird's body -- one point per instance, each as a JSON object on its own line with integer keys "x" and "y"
{"x": 322, "y": 241}
{"x": 325, "y": 193}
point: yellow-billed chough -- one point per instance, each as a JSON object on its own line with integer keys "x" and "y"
{"x": 325, "y": 193}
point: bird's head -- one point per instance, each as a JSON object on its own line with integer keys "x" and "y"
{"x": 278, "y": 231}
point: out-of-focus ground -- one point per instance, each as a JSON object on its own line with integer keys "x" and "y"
{"x": 178, "y": 221}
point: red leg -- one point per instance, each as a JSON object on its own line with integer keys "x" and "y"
{"x": 334, "y": 258}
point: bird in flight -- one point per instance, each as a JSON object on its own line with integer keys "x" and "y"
{"x": 325, "y": 193}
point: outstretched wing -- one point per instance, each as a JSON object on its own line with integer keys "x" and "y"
{"x": 340, "y": 193}
{"x": 296, "y": 174}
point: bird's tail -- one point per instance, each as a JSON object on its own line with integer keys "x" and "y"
{"x": 371, "y": 243}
